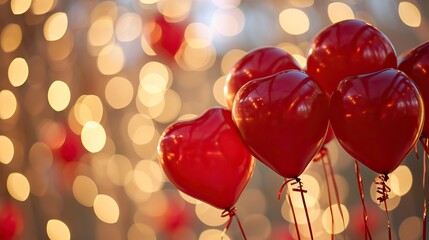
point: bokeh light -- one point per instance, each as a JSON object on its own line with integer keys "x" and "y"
{"x": 59, "y": 95}
{"x": 294, "y": 21}
{"x": 10, "y": 37}
{"x": 9, "y": 104}
{"x": 18, "y": 186}
{"x": 84, "y": 190}
{"x": 7, "y": 150}
{"x": 339, "y": 11}
{"x": 106, "y": 208}
{"x": 409, "y": 14}
{"x": 93, "y": 136}
{"x": 55, "y": 26}
{"x": 57, "y": 230}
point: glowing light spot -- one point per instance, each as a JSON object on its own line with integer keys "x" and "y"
{"x": 57, "y": 230}
{"x": 212, "y": 234}
{"x": 226, "y": 3}
{"x": 56, "y": 26}
{"x": 18, "y": 72}
{"x": 218, "y": 89}
{"x": 338, "y": 225}
{"x": 106, "y": 208}
{"x": 93, "y": 136}
{"x": 209, "y": 215}
{"x": 294, "y": 21}
{"x": 411, "y": 228}
{"x": 141, "y": 129}
{"x": 188, "y": 198}
{"x": 198, "y": 35}
{"x": 40, "y": 7}
{"x": 188, "y": 116}
{"x": 174, "y": 10}
{"x": 146, "y": 47}
{"x": 111, "y": 60}
{"x": 8, "y": 104}
{"x": 84, "y": 190}
{"x": 100, "y": 32}
{"x": 148, "y": 176}
{"x": 128, "y": 27}
{"x": 59, "y": 95}
{"x": 409, "y": 14}
{"x": 148, "y": 1}
{"x": 60, "y": 49}
{"x": 230, "y": 58}
{"x": 401, "y": 180}
{"x": 302, "y": 3}
{"x": 259, "y": 226}
{"x": 338, "y": 11}
{"x": 88, "y": 108}
{"x": 312, "y": 204}
{"x": 172, "y": 104}
{"x": 302, "y": 61}
{"x": 19, "y": 6}
{"x": 119, "y": 92}
{"x": 392, "y": 202}
{"x": 7, "y": 150}
{"x": 228, "y": 22}
{"x": 118, "y": 169}
{"x": 11, "y": 37}
{"x": 40, "y": 156}
{"x": 18, "y": 186}
{"x": 198, "y": 59}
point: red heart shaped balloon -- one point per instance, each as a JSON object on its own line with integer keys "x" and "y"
{"x": 348, "y": 48}
{"x": 283, "y": 119}
{"x": 206, "y": 158}
{"x": 416, "y": 65}
{"x": 261, "y": 62}
{"x": 377, "y": 118}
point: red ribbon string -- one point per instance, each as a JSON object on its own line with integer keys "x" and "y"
{"x": 292, "y": 208}
{"x": 362, "y": 197}
{"x": 329, "y": 193}
{"x": 424, "y": 143}
{"x": 384, "y": 190}
{"x": 302, "y": 191}
{"x": 231, "y": 213}
{"x": 337, "y": 196}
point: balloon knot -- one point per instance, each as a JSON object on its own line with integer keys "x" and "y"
{"x": 300, "y": 185}
{"x": 230, "y": 212}
{"x": 382, "y": 187}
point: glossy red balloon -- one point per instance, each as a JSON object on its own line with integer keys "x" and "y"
{"x": 206, "y": 158}
{"x": 377, "y": 118}
{"x": 416, "y": 65}
{"x": 283, "y": 119}
{"x": 261, "y": 62}
{"x": 348, "y": 48}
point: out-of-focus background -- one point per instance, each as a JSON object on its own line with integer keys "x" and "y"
{"x": 87, "y": 87}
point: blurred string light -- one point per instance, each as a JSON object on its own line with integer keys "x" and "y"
{"x": 116, "y": 92}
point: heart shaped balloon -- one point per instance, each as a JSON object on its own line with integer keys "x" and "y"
{"x": 283, "y": 119}
{"x": 416, "y": 65}
{"x": 261, "y": 62}
{"x": 206, "y": 158}
{"x": 377, "y": 118}
{"x": 348, "y": 48}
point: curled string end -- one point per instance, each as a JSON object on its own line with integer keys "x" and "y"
{"x": 384, "y": 190}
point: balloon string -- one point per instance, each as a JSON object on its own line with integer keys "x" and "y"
{"x": 293, "y": 210}
{"x": 329, "y": 193}
{"x": 302, "y": 191}
{"x": 231, "y": 213}
{"x": 384, "y": 190}
{"x": 424, "y": 143}
{"x": 362, "y": 197}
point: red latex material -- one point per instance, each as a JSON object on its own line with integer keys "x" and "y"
{"x": 377, "y": 118}
{"x": 348, "y": 48}
{"x": 416, "y": 65}
{"x": 206, "y": 158}
{"x": 283, "y": 119}
{"x": 261, "y": 62}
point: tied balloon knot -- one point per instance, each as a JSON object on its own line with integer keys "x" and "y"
{"x": 230, "y": 212}
{"x": 294, "y": 181}
{"x": 382, "y": 187}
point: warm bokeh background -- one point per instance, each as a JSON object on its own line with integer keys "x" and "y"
{"x": 87, "y": 87}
